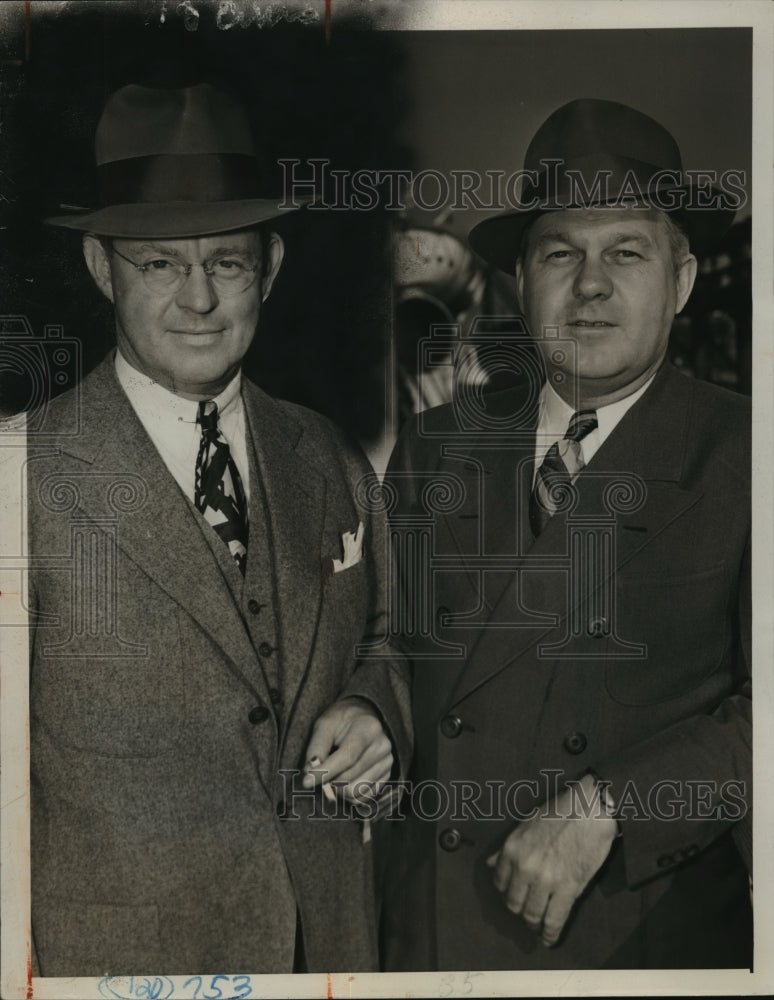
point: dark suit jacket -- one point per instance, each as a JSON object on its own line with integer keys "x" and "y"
{"x": 168, "y": 696}
{"x": 623, "y": 650}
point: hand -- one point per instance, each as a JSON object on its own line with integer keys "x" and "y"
{"x": 547, "y": 862}
{"x": 348, "y": 743}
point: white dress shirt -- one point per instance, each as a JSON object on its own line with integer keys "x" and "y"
{"x": 171, "y": 423}
{"x": 555, "y": 416}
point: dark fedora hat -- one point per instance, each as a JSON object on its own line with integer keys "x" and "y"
{"x": 175, "y": 163}
{"x": 591, "y": 153}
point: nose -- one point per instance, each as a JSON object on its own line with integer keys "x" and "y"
{"x": 592, "y": 280}
{"x": 197, "y": 292}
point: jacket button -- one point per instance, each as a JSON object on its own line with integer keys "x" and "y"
{"x": 598, "y": 627}
{"x": 275, "y": 695}
{"x": 451, "y": 726}
{"x": 258, "y": 714}
{"x": 254, "y": 607}
{"x": 575, "y": 743}
{"x": 665, "y": 861}
{"x": 265, "y": 649}
{"x": 450, "y": 839}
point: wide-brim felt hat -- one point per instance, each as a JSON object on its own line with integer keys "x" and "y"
{"x": 176, "y": 162}
{"x": 593, "y": 153}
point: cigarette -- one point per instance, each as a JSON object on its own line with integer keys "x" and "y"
{"x": 329, "y": 792}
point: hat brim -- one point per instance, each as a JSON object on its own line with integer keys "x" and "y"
{"x": 170, "y": 220}
{"x": 499, "y": 240}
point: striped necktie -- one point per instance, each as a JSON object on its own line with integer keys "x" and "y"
{"x": 562, "y": 463}
{"x": 218, "y": 491}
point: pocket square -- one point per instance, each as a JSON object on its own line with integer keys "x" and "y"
{"x": 352, "y": 545}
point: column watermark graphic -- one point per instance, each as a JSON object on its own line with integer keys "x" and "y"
{"x": 458, "y": 497}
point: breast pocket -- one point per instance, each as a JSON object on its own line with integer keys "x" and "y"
{"x": 115, "y": 686}
{"x": 683, "y": 623}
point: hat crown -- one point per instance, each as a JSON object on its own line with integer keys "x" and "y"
{"x": 178, "y": 163}
{"x": 150, "y": 121}
{"x": 592, "y": 153}
{"x": 592, "y": 128}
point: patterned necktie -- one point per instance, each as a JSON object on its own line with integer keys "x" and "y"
{"x": 562, "y": 463}
{"x": 218, "y": 491}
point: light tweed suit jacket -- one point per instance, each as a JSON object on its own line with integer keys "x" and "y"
{"x": 171, "y": 703}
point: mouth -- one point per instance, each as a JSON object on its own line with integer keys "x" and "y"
{"x": 591, "y": 324}
{"x": 196, "y": 333}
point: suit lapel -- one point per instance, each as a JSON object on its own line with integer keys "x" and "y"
{"x": 496, "y": 473}
{"x": 295, "y": 505}
{"x": 162, "y": 534}
{"x": 648, "y": 445}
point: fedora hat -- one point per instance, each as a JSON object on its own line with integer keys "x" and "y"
{"x": 591, "y": 153}
{"x": 174, "y": 163}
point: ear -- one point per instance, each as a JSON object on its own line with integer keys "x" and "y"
{"x": 686, "y": 276}
{"x": 520, "y": 281}
{"x": 276, "y": 254}
{"x": 98, "y": 264}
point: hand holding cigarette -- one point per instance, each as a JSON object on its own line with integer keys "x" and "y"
{"x": 348, "y": 744}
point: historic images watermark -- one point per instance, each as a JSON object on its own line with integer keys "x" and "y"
{"x": 332, "y": 189}
{"x": 458, "y": 801}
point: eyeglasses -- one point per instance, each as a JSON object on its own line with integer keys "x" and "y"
{"x": 229, "y": 274}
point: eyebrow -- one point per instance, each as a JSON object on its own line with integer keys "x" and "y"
{"x": 558, "y": 236}
{"x": 244, "y": 251}
{"x": 160, "y": 248}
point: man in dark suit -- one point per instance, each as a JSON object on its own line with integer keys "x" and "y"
{"x": 202, "y": 580}
{"x": 582, "y": 694}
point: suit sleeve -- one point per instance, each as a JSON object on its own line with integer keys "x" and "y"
{"x": 381, "y": 675}
{"x": 689, "y": 810}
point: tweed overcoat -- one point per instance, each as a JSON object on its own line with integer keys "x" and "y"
{"x": 171, "y": 703}
{"x": 617, "y": 642}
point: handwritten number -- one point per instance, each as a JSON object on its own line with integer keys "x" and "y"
{"x": 468, "y": 983}
{"x": 242, "y": 985}
{"x": 194, "y": 979}
{"x": 453, "y": 985}
{"x": 219, "y": 994}
{"x": 163, "y": 988}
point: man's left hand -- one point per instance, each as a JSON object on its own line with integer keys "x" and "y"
{"x": 547, "y": 862}
{"x": 348, "y": 744}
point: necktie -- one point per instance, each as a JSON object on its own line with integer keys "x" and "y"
{"x": 562, "y": 463}
{"x": 218, "y": 491}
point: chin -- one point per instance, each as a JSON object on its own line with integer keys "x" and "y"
{"x": 204, "y": 375}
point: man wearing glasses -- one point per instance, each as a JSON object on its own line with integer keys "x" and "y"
{"x": 195, "y": 673}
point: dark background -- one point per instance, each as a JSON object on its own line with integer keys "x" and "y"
{"x": 363, "y": 99}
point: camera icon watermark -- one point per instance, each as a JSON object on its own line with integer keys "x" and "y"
{"x": 494, "y": 347}
{"x": 33, "y": 369}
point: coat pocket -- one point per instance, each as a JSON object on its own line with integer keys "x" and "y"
{"x": 683, "y": 623}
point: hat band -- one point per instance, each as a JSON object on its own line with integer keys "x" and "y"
{"x": 597, "y": 179}
{"x": 201, "y": 177}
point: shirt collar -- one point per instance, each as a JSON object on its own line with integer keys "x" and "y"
{"x": 555, "y": 414}
{"x": 152, "y": 398}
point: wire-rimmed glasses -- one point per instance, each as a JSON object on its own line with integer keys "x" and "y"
{"x": 230, "y": 273}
